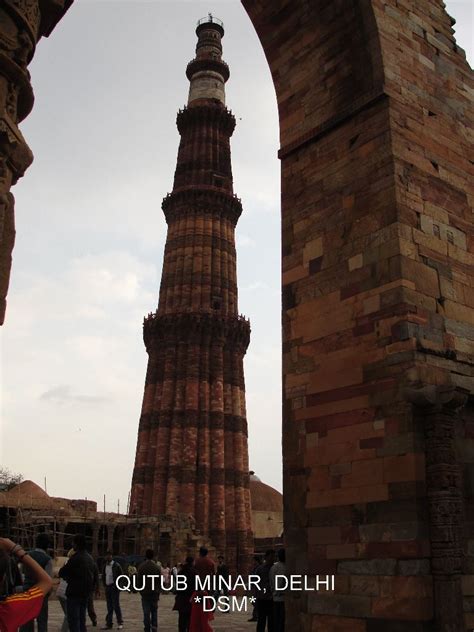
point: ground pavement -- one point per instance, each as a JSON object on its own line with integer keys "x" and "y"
{"x": 167, "y": 618}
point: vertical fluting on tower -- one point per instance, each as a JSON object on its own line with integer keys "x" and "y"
{"x": 192, "y": 453}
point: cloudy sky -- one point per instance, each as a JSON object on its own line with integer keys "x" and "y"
{"x": 91, "y": 234}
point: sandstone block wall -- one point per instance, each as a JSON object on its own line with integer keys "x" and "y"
{"x": 375, "y": 106}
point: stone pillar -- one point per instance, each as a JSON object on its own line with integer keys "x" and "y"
{"x": 60, "y": 541}
{"x": 95, "y": 540}
{"x": 22, "y": 24}
{"x": 436, "y": 410}
{"x": 110, "y": 536}
{"x": 122, "y": 540}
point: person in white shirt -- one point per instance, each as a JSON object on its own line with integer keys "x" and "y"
{"x": 279, "y": 568}
{"x": 112, "y": 570}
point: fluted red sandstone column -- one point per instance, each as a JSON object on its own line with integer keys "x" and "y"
{"x": 192, "y": 455}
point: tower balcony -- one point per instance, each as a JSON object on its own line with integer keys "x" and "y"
{"x": 196, "y": 327}
{"x": 202, "y": 200}
{"x": 209, "y": 114}
{"x": 210, "y": 21}
{"x": 206, "y": 64}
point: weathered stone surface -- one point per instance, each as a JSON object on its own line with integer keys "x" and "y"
{"x": 343, "y": 605}
{"x": 368, "y": 567}
{"x": 377, "y": 277}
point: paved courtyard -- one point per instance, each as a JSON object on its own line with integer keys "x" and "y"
{"x": 167, "y": 618}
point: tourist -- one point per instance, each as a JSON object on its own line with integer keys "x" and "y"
{"x": 174, "y": 573}
{"x": 18, "y": 609}
{"x": 79, "y": 573}
{"x": 150, "y": 593}
{"x": 204, "y": 565}
{"x": 40, "y": 555}
{"x": 94, "y": 593}
{"x": 112, "y": 570}
{"x": 182, "y": 601}
{"x": 131, "y": 572}
{"x": 166, "y": 574}
{"x": 61, "y": 595}
{"x": 224, "y": 572}
{"x": 257, "y": 560}
{"x": 264, "y": 594}
{"x": 200, "y": 619}
{"x": 279, "y": 568}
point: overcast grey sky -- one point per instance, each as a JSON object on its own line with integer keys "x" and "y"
{"x": 88, "y": 256}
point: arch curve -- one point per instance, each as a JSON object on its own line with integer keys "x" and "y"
{"x": 325, "y": 59}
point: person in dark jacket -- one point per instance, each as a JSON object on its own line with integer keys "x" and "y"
{"x": 150, "y": 592}
{"x": 40, "y": 555}
{"x": 183, "y": 597}
{"x": 257, "y": 560}
{"x": 264, "y": 594}
{"x": 95, "y": 593}
{"x": 223, "y": 571}
{"x": 112, "y": 570}
{"x": 279, "y": 568}
{"x": 79, "y": 573}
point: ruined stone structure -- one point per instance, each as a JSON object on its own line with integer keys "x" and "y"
{"x": 22, "y": 24}
{"x": 375, "y": 105}
{"x": 26, "y": 510}
{"x": 192, "y": 455}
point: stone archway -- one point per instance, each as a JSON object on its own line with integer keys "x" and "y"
{"x": 376, "y": 234}
{"x": 378, "y": 308}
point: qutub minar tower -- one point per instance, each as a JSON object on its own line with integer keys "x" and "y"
{"x": 192, "y": 454}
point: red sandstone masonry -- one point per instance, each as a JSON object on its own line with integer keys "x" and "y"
{"x": 377, "y": 244}
{"x": 192, "y": 454}
{"x": 375, "y": 118}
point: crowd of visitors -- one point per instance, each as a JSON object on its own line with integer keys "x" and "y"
{"x": 24, "y": 595}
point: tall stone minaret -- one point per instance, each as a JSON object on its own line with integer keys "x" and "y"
{"x": 192, "y": 455}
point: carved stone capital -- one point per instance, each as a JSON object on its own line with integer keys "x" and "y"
{"x": 438, "y": 397}
{"x": 14, "y": 152}
{"x": 203, "y": 328}
{"x": 27, "y": 13}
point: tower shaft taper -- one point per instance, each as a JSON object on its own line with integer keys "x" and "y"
{"x": 192, "y": 454}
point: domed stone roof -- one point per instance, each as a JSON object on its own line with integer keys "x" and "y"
{"x": 263, "y": 497}
{"x": 28, "y": 489}
{"x": 26, "y": 494}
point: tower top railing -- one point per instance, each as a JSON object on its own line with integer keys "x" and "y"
{"x": 210, "y": 19}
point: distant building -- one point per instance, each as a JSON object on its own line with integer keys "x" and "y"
{"x": 267, "y": 514}
{"x": 26, "y": 510}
